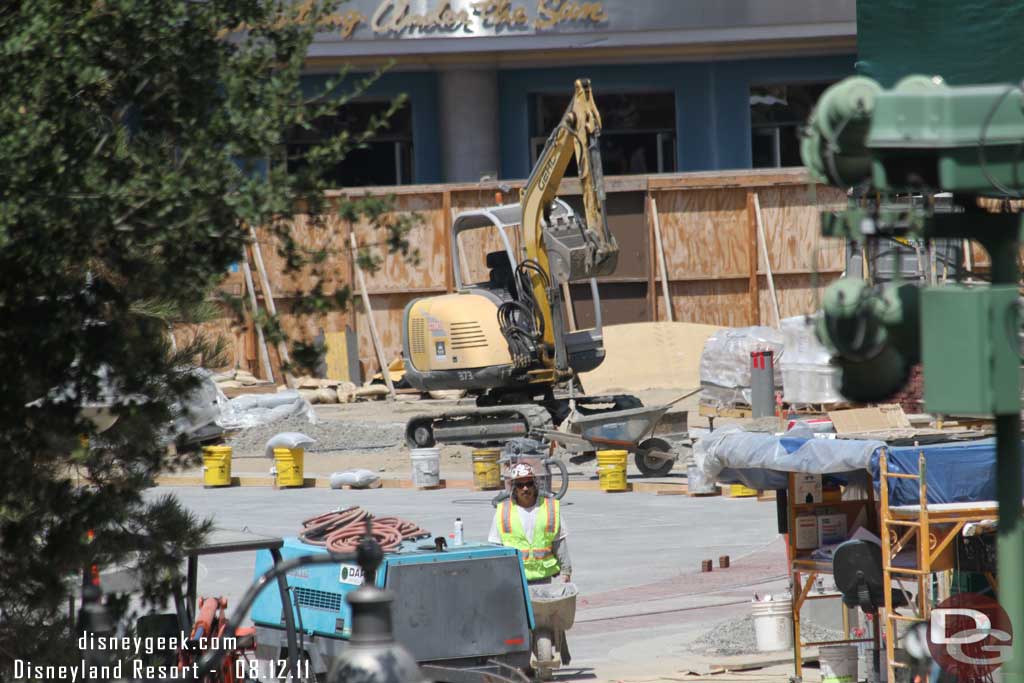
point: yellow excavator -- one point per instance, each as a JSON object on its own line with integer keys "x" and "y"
{"x": 506, "y": 338}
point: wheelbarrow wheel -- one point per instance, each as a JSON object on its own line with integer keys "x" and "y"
{"x": 543, "y": 653}
{"x": 545, "y": 648}
{"x": 650, "y": 465}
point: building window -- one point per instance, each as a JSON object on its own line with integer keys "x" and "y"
{"x": 638, "y": 132}
{"x": 387, "y": 159}
{"x": 777, "y": 113}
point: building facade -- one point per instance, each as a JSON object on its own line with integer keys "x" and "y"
{"x": 682, "y": 85}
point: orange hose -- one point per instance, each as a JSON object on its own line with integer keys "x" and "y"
{"x": 342, "y": 530}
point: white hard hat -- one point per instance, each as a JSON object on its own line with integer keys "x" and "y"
{"x": 521, "y": 471}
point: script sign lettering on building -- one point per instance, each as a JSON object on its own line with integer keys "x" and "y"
{"x": 452, "y": 18}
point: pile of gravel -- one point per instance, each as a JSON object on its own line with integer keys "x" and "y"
{"x": 736, "y": 637}
{"x": 330, "y": 435}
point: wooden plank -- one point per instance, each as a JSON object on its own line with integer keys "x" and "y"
{"x": 388, "y": 310}
{"x": 337, "y": 355}
{"x": 730, "y": 179}
{"x": 711, "y": 411}
{"x": 268, "y": 372}
{"x": 268, "y": 300}
{"x": 791, "y": 217}
{"x": 798, "y": 293}
{"x": 663, "y": 270}
{"x": 652, "y": 299}
{"x": 711, "y": 302}
{"x": 767, "y": 260}
{"x": 446, "y": 216}
{"x": 369, "y": 314}
{"x": 704, "y": 233}
{"x": 568, "y": 186}
{"x": 232, "y": 392}
{"x": 396, "y": 273}
{"x": 752, "y": 282}
{"x": 569, "y": 310}
{"x": 311, "y": 234}
{"x": 631, "y": 183}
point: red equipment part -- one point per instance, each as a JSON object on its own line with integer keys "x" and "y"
{"x": 211, "y": 622}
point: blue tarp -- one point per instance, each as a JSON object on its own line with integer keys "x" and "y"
{"x": 957, "y": 472}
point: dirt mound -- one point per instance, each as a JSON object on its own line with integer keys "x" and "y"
{"x": 642, "y": 356}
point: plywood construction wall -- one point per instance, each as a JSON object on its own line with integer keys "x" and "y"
{"x": 717, "y": 274}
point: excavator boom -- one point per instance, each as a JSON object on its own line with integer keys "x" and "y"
{"x": 568, "y": 250}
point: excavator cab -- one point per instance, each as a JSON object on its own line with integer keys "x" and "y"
{"x": 501, "y": 276}
{"x": 456, "y": 339}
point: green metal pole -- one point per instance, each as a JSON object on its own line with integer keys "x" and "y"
{"x": 1011, "y": 538}
{"x": 1010, "y": 553}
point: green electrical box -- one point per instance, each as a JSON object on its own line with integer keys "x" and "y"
{"x": 970, "y": 350}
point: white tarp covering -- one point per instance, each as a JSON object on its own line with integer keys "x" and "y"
{"x": 252, "y": 410}
{"x": 807, "y": 374}
{"x": 725, "y": 363}
{"x": 758, "y": 459}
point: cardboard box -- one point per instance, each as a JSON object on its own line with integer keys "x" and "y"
{"x": 876, "y": 419}
{"x": 806, "y": 532}
{"x": 831, "y": 529}
{"x": 807, "y": 489}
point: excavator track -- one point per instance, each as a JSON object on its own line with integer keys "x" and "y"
{"x": 494, "y": 424}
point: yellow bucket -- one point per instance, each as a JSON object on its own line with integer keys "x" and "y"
{"x": 741, "y": 491}
{"x": 216, "y": 466}
{"x": 289, "y": 466}
{"x": 611, "y": 470}
{"x": 486, "y": 472}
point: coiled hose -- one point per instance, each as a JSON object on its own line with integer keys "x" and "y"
{"x": 522, "y": 321}
{"x": 341, "y": 531}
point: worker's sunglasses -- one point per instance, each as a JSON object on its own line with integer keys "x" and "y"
{"x": 525, "y": 484}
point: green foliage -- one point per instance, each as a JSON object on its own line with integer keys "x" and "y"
{"x": 134, "y": 141}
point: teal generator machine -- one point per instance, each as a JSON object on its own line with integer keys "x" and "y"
{"x": 462, "y": 612}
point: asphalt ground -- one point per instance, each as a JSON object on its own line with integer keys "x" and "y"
{"x": 636, "y": 560}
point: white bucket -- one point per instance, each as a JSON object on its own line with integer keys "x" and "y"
{"x": 773, "y": 624}
{"x": 426, "y": 467}
{"x": 838, "y": 663}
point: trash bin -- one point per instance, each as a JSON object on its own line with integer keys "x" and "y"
{"x": 289, "y": 467}
{"x": 486, "y": 471}
{"x": 611, "y": 470}
{"x": 216, "y": 466}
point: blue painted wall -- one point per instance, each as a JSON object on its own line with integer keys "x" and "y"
{"x": 421, "y": 87}
{"x": 712, "y": 102}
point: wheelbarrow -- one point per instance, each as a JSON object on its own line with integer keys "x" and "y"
{"x": 621, "y": 429}
{"x": 554, "y": 612}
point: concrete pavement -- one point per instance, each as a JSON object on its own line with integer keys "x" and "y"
{"x": 636, "y": 559}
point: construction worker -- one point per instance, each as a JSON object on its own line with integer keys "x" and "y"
{"x": 533, "y": 525}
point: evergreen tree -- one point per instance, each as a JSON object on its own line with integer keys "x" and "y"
{"x": 139, "y": 141}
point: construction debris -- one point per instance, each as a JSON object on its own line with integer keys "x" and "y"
{"x": 330, "y": 436}
{"x": 321, "y": 391}
{"x": 736, "y": 637}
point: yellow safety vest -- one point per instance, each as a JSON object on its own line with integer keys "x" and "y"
{"x": 539, "y": 561}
